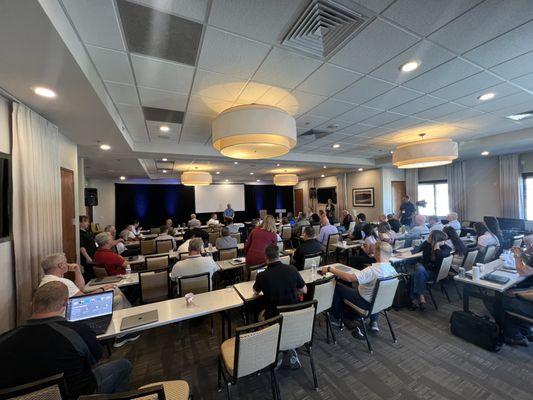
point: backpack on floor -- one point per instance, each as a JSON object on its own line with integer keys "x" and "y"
{"x": 477, "y": 330}
{"x": 402, "y": 297}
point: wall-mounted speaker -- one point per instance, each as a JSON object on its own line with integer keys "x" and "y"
{"x": 91, "y": 197}
{"x": 312, "y": 193}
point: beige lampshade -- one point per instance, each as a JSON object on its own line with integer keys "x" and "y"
{"x": 285, "y": 179}
{"x": 196, "y": 178}
{"x": 425, "y": 153}
{"x": 254, "y": 131}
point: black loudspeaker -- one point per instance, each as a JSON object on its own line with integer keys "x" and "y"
{"x": 91, "y": 197}
{"x": 312, "y": 193}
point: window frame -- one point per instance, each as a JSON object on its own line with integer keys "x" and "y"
{"x": 434, "y": 182}
{"x": 525, "y": 176}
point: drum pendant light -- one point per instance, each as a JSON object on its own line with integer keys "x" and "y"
{"x": 425, "y": 153}
{"x": 196, "y": 178}
{"x": 285, "y": 179}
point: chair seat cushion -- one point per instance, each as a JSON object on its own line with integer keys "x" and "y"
{"x": 227, "y": 351}
{"x": 174, "y": 390}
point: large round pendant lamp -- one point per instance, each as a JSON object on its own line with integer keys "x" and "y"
{"x": 254, "y": 131}
{"x": 196, "y": 178}
{"x": 425, "y": 153}
{"x": 285, "y": 179}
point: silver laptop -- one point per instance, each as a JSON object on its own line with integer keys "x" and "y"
{"x": 138, "y": 320}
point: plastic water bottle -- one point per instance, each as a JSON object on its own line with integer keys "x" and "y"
{"x": 128, "y": 271}
{"x": 313, "y": 271}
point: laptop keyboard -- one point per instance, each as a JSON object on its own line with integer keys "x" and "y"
{"x": 98, "y": 325}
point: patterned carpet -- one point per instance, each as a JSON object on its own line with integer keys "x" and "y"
{"x": 426, "y": 363}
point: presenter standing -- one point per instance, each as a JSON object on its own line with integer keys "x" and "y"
{"x": 229, "y": 214}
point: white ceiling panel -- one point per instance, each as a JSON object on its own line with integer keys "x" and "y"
{"x": 111, "y": 64}
{"x": 443, "y": 75}
{"x": 359, "y": 114}
{"x": 298, "y": 102}
{"x": 309, "y": 121}
{"x": 403, "y": 123}
{"x": 375, "y": 45}
{"x": 383, "y": 118}
{"x": 160, "y": 74}
{"x": 154, "y": 131}
{"x": 331, "y": 108}
{"x": 483, "y": 122}
{"x": 285, "y": 68}
{"x": 162, "y": 99}
{"x": 417, "y": 105}
{"x": 468, "y": 85}
{"x": 134, "y": 119}
{"x": 207, "y": 106}
{"x": 501, "y": 90}
{"x": 195, "y": 9}
{"x": 375, "y": 132}
{"x": 217, "y": 86}
{"x": 363, "y": 90}
{"x": 439, "y": 111}
{"x": 334, "y": 125}
{"x": 426, "y": 16}
{"x": 336, "y": 137}
{"x": 328, "y": 79}
{"x": 106, "y": 33}
{"x": 375, "y": 5}
{"x": 459, "y": 115}
{"x": 266, "y": 21}
{"x": 504, "y": 47}
{"x": 525, "y": 81}
{"x": 120, "y": 93}
{"x": 356, "y": 129}
{"x": 503, "y": 102}
{"x": 513, "y": 109}
{"x": 482, "y": 23}
{"x": 196, "y": 129}
{"x": 231, "y": 54}
{"x": 516, "y": 67}
{"x": 425, "y": 53}
{"x": 393, "y": 98}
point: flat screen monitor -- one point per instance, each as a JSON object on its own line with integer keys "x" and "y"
{"x": 512, "y": 224}
{"x": 323, "y": 194}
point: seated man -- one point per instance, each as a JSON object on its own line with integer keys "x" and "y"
{"x": 196, "y": 232}
{"x": 104, "y": 256}
{"x": 360, "y": 222}
{"x": 346, "y": 220}
{"x": 232, "y": 226}
{"x": 137, "y": 228}
{"x": 164, "y": 235}
{"x": 170, "y": 228}
{"x": 420, "y": 228}
{"x": 119, "y": 243}
{"x": 326, "y": 229}
{"x": 435, "y": 224}
{"x": 213, "y": 220}
{"x": 225, "y": 241}
{"x": 309, "y": 246}
{"x": 127, "y": 233}
{"x": 394, "y": 222}
{"x": 363, "y": 283}
{"x": 281, "y": 285}
{"x": 195, "y": 263}
{"x": 302, "y": 222}
{"x": 193, "y": 222}
{"x": 47, "y": 345}
{"x": 453, "y": 221}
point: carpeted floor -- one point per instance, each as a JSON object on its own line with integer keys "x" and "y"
{"x": 426, "y": 363}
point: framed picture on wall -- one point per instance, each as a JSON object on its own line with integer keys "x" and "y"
{"x": 363, "y": 197}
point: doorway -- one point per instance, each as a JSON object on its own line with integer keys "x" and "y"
{"x": 68, "y": 221}
{"x": 398, "y": 191}
{"x": 298, "y": 201}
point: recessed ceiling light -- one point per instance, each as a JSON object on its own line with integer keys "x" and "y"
{"x": 164, "y": 159}
{"x": 336, "y": 146}
{"x": 164, "y": 128}
{"x": 486, "y": 96}
{"x": 324, "y": 167}
{"x": 105, "y": 147}
{"x": 360, "y": 169}
{"x": 277, "y": 165}
{"x": 485, "y": 153}
{"x": 122, "y": 178}
{"x": 235, "y": 162}
{"x": 218, "y": 172}
{"x": 409, "y": 66}
{"x": 258, "y": 180}
{"x": 392, "y": 151}
{"x": 322, "y": 176}
{"x": 333, "y": 126}
{"x": 518, "y": 117}
{"x": 44, "y": 92}
{"x": 251, "y": 173}
{"x": 227, "y": 180}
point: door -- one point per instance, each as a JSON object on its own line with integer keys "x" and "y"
{"x": 398, "y": 191}
{"x": 298, "y": 201}
{"x": 68, "y": 215}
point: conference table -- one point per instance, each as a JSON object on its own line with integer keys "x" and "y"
{"x": 348, "y": 246}
{"x": 127, "y": 280}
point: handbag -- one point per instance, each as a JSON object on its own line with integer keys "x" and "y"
{"x": 477, "y": 330}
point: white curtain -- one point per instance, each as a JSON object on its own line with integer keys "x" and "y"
{"x": 411, "y": 183}
{"x": 511, "y": 194}
{"x": 342, "y": 202}
{"x": 36, "y": 199}
{"x": 455, "y": 175}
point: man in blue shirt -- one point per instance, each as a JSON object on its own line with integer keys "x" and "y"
{"x": 229, "y": 214}
{"x": 326, "y": 230}
{"x": 407, "y": 211}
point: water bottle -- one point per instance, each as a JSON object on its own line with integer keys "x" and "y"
{"x": 128, "y": 271}
{"x": 313, "y": 271}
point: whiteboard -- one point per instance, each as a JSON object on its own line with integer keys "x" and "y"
{"x": 214, "y": 198}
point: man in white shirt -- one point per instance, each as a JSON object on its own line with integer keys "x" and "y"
{"x": 163, "y": 235}
{"x": 193, "y": 221}
{"x": 363, "y": 282}
{"x": 195, "y": 263}
{"x": 127, "y": 234}
{"x": 420, "y": 227}
{"x": 213, "y": 220}
{"x": 435, "y": 224}
{"x": 453, "y": 221}
{"x": 55, "y": 266}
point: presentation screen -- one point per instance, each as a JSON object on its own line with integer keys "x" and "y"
{"x": 214, "y": 198}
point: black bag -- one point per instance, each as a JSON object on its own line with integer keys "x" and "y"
{"x": 402, "y": 297}
{"x": 480, "y": 331}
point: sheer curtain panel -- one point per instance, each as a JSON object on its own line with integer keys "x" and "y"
{"x": 455, "y": 175}
{"x": 341, "y": 195}
{"x": 36, "y": 200}
{"x": 411, "y": 183}
{"x": 511, "y": 191}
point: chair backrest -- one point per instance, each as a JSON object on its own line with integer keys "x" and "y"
{"x": 236, "y": 236}
{"x": 351, "y": 227}
{"x": 147, "y": 247}
{"x": 155, "y": 285}
{"x": 227, "y": 254}
{"x": 155, "y": 231}
{"x": 399, "y": 244}
{"x": 152, "y": 392}
{"x": 317, "y": 229}
{"x": 257, "y": 346}
{"x": 517, "y": 242}
{"x": 323, "y": 291}
{"x": 285, "y": 260}
{"x": 298, "y": 324}
{"x": 489, "y": 254}
{"x": 163, "y": 246}
{"x": 444, "y": 269}
{"x": 198, "y": 283}
{"x": 213, "y": 237}
{"x": 286, "y": 232}
{"x": 470, "y": 259}
{"x": 99, "y": 271}
{"x": 312, "y": 259}
{"x": 332, "y": 240}
{"x": 384, "y": 293}
{"x": 182, "y": 255}
{"x": 51, "y": 388}
{"x": 253, "y": 270}
{"x": 156, "y": 262}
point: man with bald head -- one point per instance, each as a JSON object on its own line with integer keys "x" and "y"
{"x": 420, "y": 228}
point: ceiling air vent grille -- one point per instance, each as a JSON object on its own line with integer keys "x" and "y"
{"x": 324, "y": 25}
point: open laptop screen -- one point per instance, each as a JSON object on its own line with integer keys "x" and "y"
{"x": 90, "y": 306}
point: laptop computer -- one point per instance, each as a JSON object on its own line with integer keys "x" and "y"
{"x": 139, "y": 320}
{"x": 94, "y": 310}
{"x": 105, "y": 280}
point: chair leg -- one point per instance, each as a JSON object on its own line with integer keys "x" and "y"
{"x": 276, "y": 385}
{"x": 390, "y": 327}
{"x": 219, "y": 375}
{"x": 312, "y": 362}
{"x": 327, "y": 327}
{"x": 445, "y": 291}
{"x": 212, "y": 325}
{"x": 272, "y": 384}
{"x": 432, "y": 298}
{"x": 333, "y": 337}
{"x": 366, "y": 335}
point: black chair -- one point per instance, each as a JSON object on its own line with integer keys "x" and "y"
{"x": 151, "y": 392}
{"x": 51, "y": 388}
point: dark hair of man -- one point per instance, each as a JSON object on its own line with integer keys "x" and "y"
{"x": 163, "y": 229}
{"x": 361, "y": 217}
{"x": 225, "y": 231}
{"x": 83, "y": 218}
{"x": 309, "y": 232}
{"x": 50, "y": 297}
{"x": 272, "y": 252}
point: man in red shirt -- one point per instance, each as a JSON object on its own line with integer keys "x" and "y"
{"x": 104, "y": 256}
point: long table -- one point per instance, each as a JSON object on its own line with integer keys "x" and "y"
{"x": 127, "y": 280}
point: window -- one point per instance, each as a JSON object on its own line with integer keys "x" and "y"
{"x": 528, "y": 196}
{"x": 436, "y": 196}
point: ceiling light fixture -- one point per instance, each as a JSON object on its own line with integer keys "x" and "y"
{"x": 360, "y": 169}
{"x": 285, "y": 179}
{"x": 409, "y": 66}
{"x": 251, "y": 173}
{"x": 164, "y": 159}
{"x": 44, "y": 92}
{"x": 277, "y": 165}
{"x": 226, "y": 180}
{"x": 425, "y": 153}
{"x": 486, "y": 96}
{"x": 324, "y": 167}
{"x": 521, "y": 116}
{"x": 164, "y": 128}
{"x": 336, "y": 146}
{"x": 218, "y": 172}
{"x": 105, "y": 147}
{"x": 322, "y": 176}
{"x": 258, "y": 180}
{"x": 122, "y": 178}
{"x": 235, "y": 162}
{"x": 196, "y": 178}
{"x": 485, "y": 153}
{"x": 253, "y": 132}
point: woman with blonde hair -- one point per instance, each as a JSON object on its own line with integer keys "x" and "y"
{"x": 259, "y": 239}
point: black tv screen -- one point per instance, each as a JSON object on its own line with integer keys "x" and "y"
{"x": 5, "y": 196}
{"x": 323, "y": 194}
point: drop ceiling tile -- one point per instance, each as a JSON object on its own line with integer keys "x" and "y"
{"x": 356, "y": 129}
{"x": 393, "y": 98}
{"x": 403, "y": 123}
{"x": 503, "y": 48}
{"x": 459, "y": 115}
{"x": 506, "y": 101}
{"x": 298, "y": 102}
{"x": 439, "y": 111}
{"x": 134, "y": 120}
{"x": 424, "y": 17}
{"x": 111, "y": 64}
{"x": 162, "y": 99}
{"x": 525, "y": 81}
{"x": 266, "y": 21}
{"x": 162, "y": 115}
{"x": 501, "y": 90}
{"x": 359, "y": 114}
{"x": 515, "y": 67}
{"x": 334, "y": 125}
{"x": 513, "y": 109}
{"x": 483, "y": 23}
{"x": 337, "y": 137}
{"x": 443, "y": 75}
{"x": 196, "y": 129}
{"x": 363, "y": 90}
{"x": 383, "y": 118}
{"x": 483, "y": 122}
{"x": 195, "y": 9}
{"x": 217, "y": 86}
{"x": 375, "y": 5}
{"x": 427, "y": 54}
{"x": 207, "y": 106}
{"x": 310, "y": 121}
{"x": 377, "y": 43}
{"x": 285, "y": 68}
{"x": 231, "y": 54}
{"x": 331, "y": 108}
{"x": 375, "y": 132}
{"x": 106, "y": 33}
{"x": 161, "y": 74}
{"x": 154, "y": 131}
{"x": 328, "y": 79}
{"x": 120, "y": 93}
{"x": 468, "y": 85}
{"x": 417, "y": 105}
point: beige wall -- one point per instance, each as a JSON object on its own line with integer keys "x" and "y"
{"x": 104, "y": 212}
{"x": 366, "y": 179}
{"x": 483, "y": 187}
{"x": 388, "y": 175}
